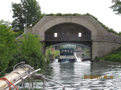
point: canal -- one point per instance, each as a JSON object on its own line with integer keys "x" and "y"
{"x": 72, "y": 75}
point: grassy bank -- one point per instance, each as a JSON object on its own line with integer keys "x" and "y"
{"x": 114, "y": 56}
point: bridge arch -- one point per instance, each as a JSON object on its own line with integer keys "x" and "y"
{"x": 100, "y": 42}
{"x": 49, "y": 21}
{"x": 73, "y": 43}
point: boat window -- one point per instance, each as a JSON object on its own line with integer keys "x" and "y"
{"x": 66, "y": 52}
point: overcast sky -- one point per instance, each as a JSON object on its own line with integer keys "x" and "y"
{"x": 98, "y": 8}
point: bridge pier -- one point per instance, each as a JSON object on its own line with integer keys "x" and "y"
{"x": 68, "y": 28}
{"x": 91, "y": 52}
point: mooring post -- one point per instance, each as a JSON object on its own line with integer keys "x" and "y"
{"x": 44, "y": 83}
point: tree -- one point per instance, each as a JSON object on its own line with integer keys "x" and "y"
{"x": 29, "y": 50}
{"x": 7, "y": 44}
{"x": 27, "y": 9}
{"x": 117, "y": 6}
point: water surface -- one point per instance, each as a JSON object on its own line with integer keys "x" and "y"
{"x": 71, "y": 75}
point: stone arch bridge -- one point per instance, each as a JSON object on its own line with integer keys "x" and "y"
{"x": 76, "y": 29}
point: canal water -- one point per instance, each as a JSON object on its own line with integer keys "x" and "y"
{"x": 77, "y": 75}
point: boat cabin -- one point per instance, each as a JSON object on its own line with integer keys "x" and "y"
{"x": 67, "y": 54}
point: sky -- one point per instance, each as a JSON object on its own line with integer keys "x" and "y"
{"x": 98, "y": 8}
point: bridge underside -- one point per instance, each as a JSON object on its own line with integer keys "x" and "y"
{"x": 87, "y": 43}
{"x": 48, "y": 43}
{"x": 68, "y": 32}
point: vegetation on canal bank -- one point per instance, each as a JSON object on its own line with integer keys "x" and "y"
{"x": 29, "y": 51}
{"x": 25, "y": 49}
{"x": 51, "y": 53}
{"x": 114, "y": 56}
{"x": 7, "y": 46}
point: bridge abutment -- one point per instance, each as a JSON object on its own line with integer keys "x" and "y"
{"x": 67, "y": 29}
{"x": 103, "y": 48}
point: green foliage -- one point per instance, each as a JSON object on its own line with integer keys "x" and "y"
{"x": 48, "y": 59}
{"x": 96, "y": 57}
{"x": 18, "y": 33}
{"x": 30, "y": 8}
{"x": 119, "y": 34}
{"x": 111, "y": 30}
{"x": 6, "y": 23}
{"x": 117, "y": 6}
{"x": 30, "y": 50}
{"x": 30, "y": 44}
{"x": 113, "y": 58}
{"x": 7, "y": 44}
{"x": 50, "y": 53}
{"x": 17, "y": 58}
{"x": 27, "y": 50}
{"x": 56, "y": 54}
{"x": 48, "y": 50}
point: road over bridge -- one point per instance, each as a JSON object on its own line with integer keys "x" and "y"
{"x": 76, "y": 29}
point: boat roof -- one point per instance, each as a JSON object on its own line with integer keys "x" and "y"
{"x": 66, "y": 49}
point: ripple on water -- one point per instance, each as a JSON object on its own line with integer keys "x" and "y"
{"x": 72, "y": 76}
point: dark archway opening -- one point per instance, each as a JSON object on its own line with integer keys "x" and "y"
{"x": 88, "y": 44}
{"x": 68, "y": 32}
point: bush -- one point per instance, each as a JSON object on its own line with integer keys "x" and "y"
{"x": 50, "y": 53}
{"x": 7, "y": 44}
{"x": 29, "y": 50}
{"x": 18, "y": 33}
{"x": 114, "y": 56}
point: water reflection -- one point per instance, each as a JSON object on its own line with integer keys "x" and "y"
{"x": 72, "y": 75}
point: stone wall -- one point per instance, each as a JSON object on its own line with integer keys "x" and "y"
{"x": 103, "y": 42}
{"x": 103, "y": 48}
{"x": 28, "y": 30}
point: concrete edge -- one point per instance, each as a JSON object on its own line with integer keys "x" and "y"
{"x": 96, "y": 60}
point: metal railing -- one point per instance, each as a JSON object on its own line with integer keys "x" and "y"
{"x": 29, "y": 73}
{"x": 41, "y": 77}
